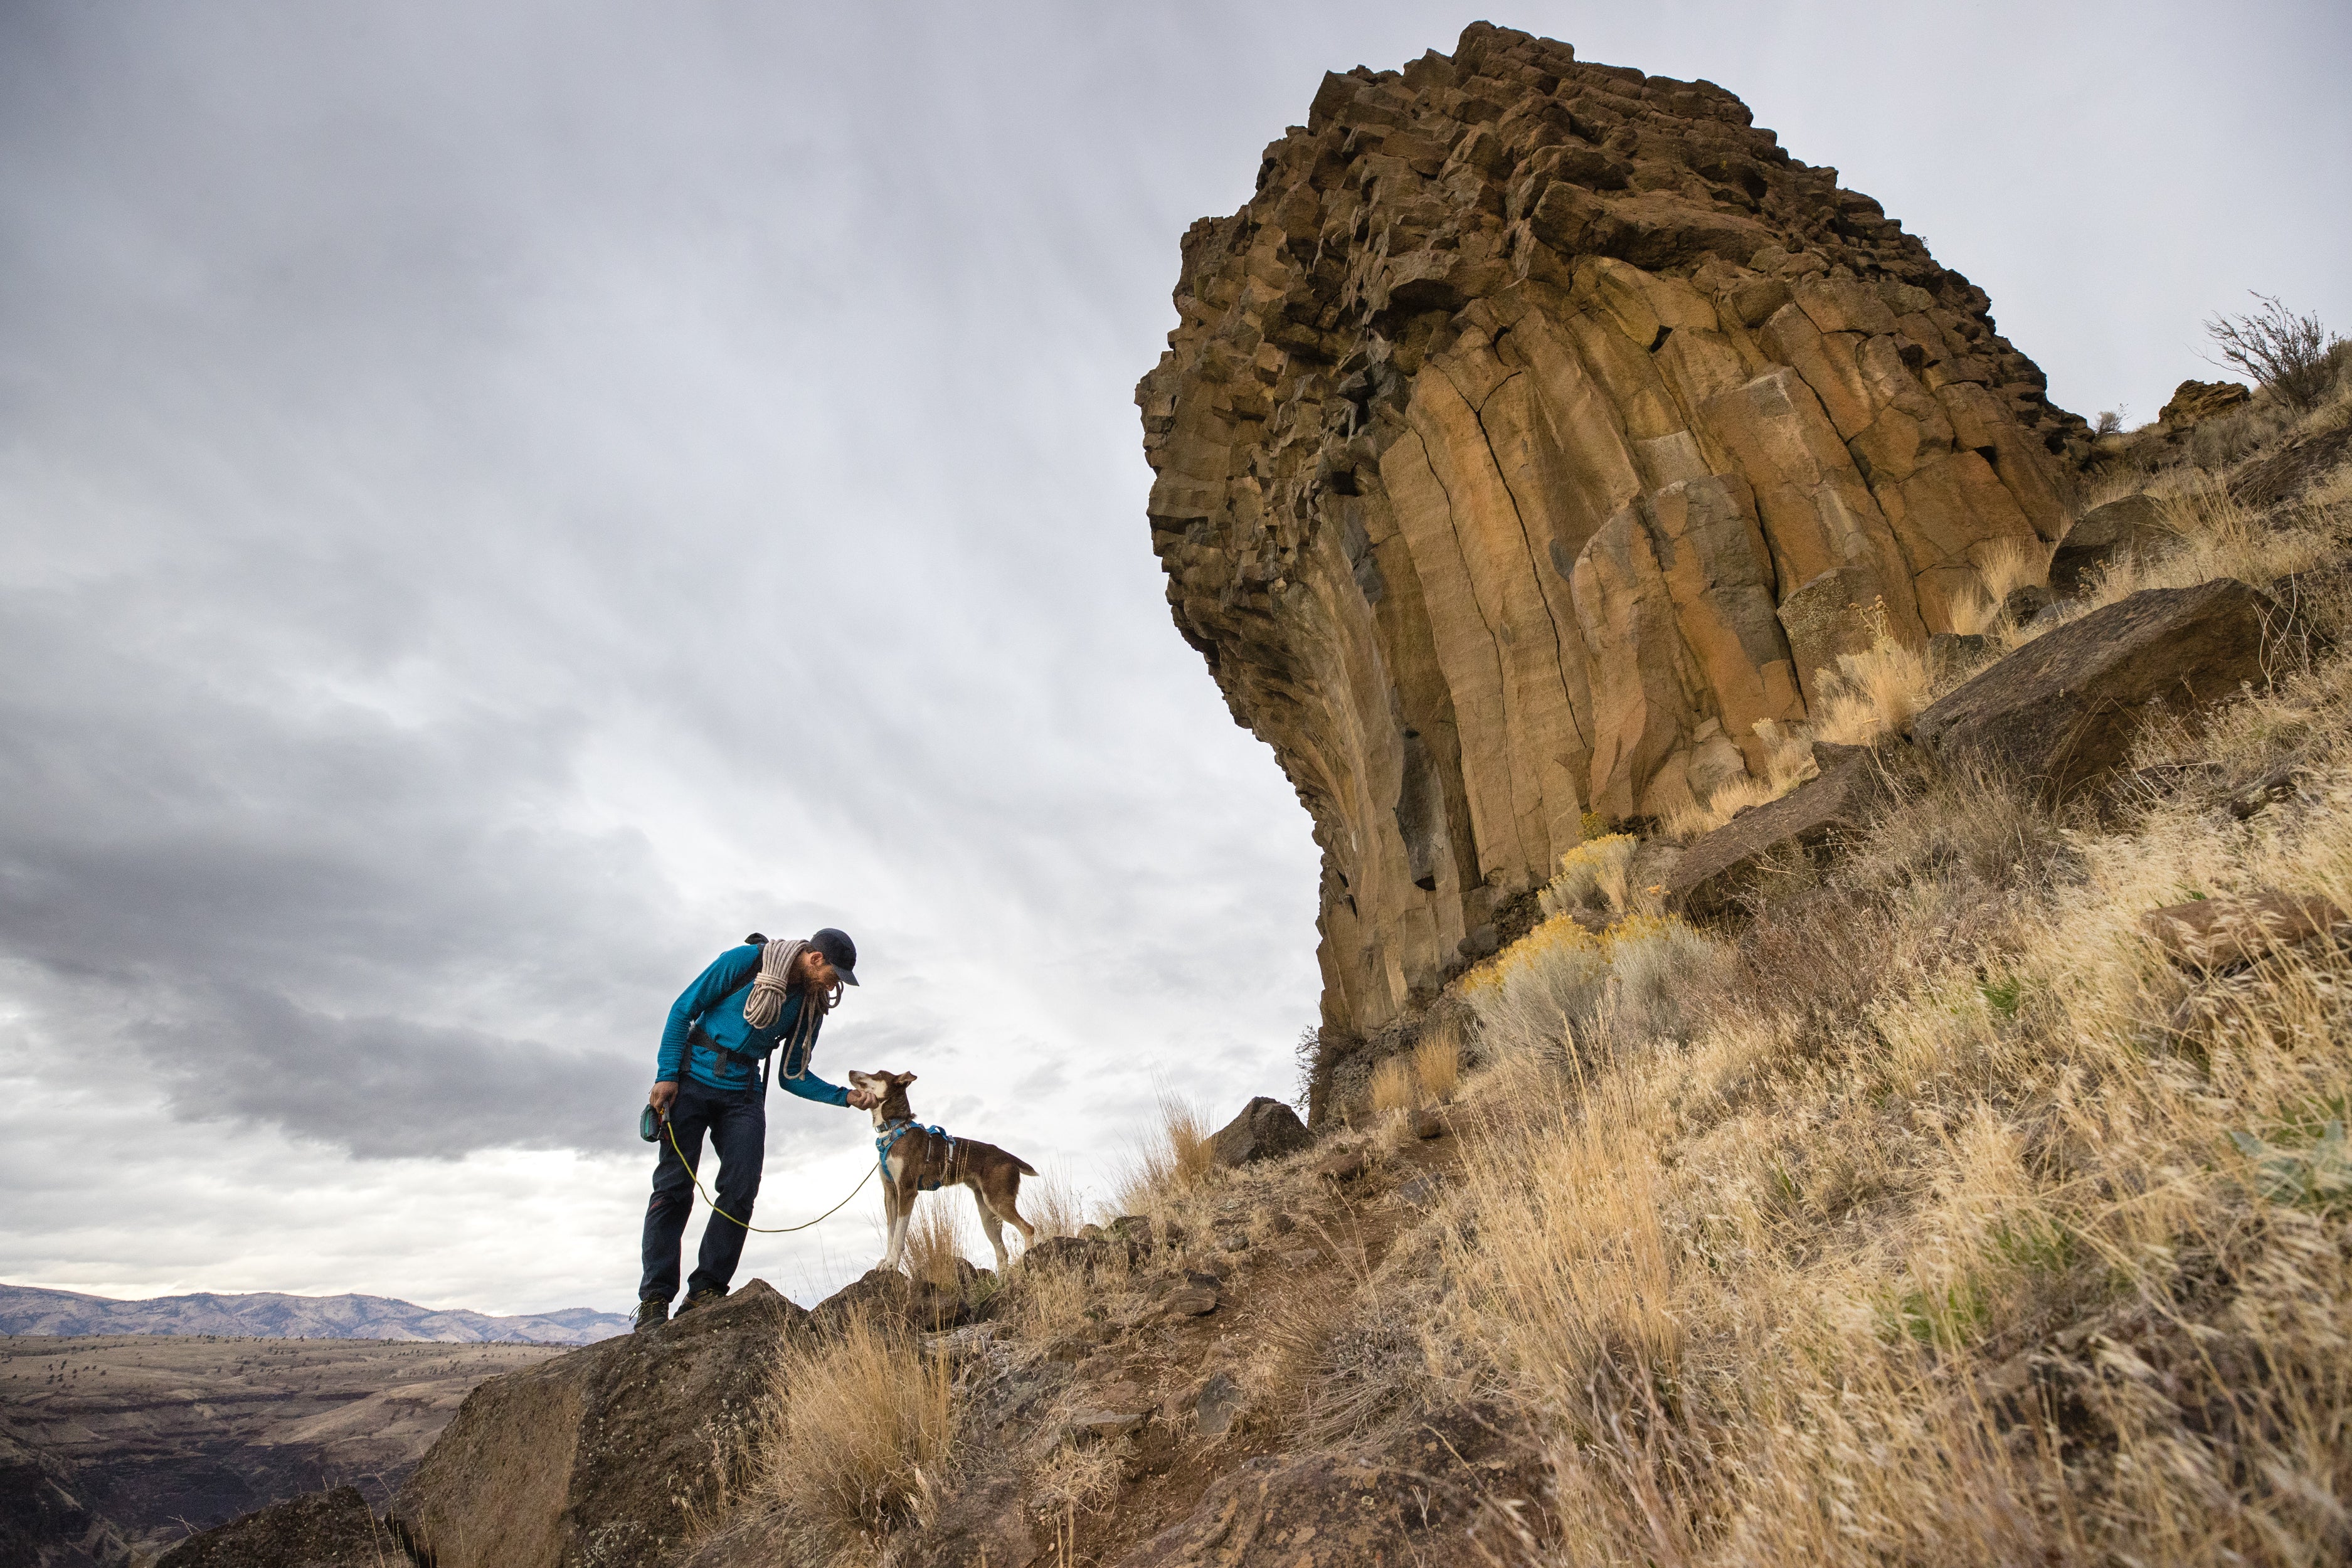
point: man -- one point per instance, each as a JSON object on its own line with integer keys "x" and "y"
{"x": 762, "y": 999}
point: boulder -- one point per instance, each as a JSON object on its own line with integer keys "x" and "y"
{"x": 1215, "y": 1404}
{"x": 1194, "y": 1301}
{"x": 324, "y": 1529}
{"x": 1103, "y": 1425}
{"x": 2060, "y": 713}
{"x": 1826, "y": 617}
{"x": 2119, "y": 527}
{"x": 1951, "y": 656}
{"x": 1079, "y": 1252}
{"x": 2283, "y": 474}
{"x": 602, "y": 1456}
{"x": 1844, "y": 799}
{"x": 2195, "y": 401}
{"x": 887, "y": 1297}
{"x": 2229, "y": 933}
{"x": 1266, "y": 1129}
{"x": 1513, "y": 461}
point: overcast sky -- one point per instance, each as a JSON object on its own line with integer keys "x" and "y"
{"x": 498, "y": 501}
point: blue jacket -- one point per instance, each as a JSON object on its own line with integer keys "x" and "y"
{"x": 716, "y": 1001}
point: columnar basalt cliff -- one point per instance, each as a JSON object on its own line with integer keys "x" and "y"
{"x": 1537, "y": 430}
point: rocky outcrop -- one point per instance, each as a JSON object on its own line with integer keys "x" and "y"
{"x": 2193, "y": 401}
{"x": 1537, "y": 430}
{"x": 604, "y": 1456}
{"x": 1266, "y": 1129}
{"x": 2061, "y": 713}
{"x": 2284, "y": 474}
{"x": 324, "y": 1529}
{"x": 2125, "y": 527}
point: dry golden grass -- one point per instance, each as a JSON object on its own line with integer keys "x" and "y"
{"x": 1052, "y": 1202}
{"x": 1789, "y": 762}
{"x": 1173, "y": 1157}
{"x": 1396, "y": 1088}
{"x": 1438, "y": 1062}
{"x": 2007, "y": 566}
{"x": 1872, "y": 693}
{"x": 1916, "y": 1227}
{"x": 1683, "y": 823}
{"x": 857, "y": 1421}
{"x": 2215, "y": 536}
{"x": 940, "y": 1234}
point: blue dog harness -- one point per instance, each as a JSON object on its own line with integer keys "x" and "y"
{"x": 889, "y": 1140}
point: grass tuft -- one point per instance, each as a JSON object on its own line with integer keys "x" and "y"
{"x": 1437, "y": 1063}
{"x": 1873, "y": 693}
{"x": 857, "y": 1421}
{"x": 1173, "y": 1158}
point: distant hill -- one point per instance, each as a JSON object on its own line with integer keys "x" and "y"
{"x": 26, "y": 1309}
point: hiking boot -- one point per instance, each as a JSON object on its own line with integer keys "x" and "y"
{"x": 652, "y": 1313}
{"x": 699, "y": 1297}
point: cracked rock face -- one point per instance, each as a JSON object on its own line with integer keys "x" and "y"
{"x": 1537, "y": 430}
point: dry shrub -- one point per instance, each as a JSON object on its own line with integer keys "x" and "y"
{"x": 1591, "y": 876}
{"x": 1872, "y": 693}
{"x": 1569, "y": 1265}
{"x": 1173, "y": 1158}
{"x": 1076, "y": 1476}
{"x": 858, "y": 1421}
{"x": 1438, "y": 1062}
{"x": 2289, "y": 356}
{"x": 1560, "y": 988}
{"x": 1395, "y": 1087}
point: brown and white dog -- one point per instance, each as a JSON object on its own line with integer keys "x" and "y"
{"x": 920, "y": 1159}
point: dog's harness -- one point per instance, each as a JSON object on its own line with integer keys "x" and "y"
{"x": 888, "y": 1140}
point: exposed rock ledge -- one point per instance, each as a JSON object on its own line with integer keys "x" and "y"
{"x": 1527, "y": 440}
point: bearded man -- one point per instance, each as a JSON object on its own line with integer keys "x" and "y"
{"x": 753, "y": 1002}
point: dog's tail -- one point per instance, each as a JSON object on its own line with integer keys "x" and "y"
{"x": 1027, "y": 1168}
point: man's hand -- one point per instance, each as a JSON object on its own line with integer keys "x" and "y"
{"x": 864, "y": 1099}
{"x": 664, "y": 1095}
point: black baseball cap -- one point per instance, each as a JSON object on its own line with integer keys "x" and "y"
{"x": 839, "y": 951}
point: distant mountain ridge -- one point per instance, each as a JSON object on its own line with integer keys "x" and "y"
{"x": 28, "y": 1310}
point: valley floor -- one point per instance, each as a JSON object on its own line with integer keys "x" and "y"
{"x": 117, "y": 1448}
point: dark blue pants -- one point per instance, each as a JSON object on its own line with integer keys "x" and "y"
{"x": 737, "y": 1120}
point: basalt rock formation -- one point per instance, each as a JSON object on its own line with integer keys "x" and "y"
{"x": 1537, "y": 430}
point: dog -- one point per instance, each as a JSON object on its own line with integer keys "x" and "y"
{"x": 919, "y": 1158}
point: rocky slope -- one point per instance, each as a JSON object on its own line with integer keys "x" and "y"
{"x": 1525, "y": 443}
{"x": 28, "y": 1310}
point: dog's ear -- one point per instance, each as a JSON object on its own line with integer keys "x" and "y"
{"x": 902, "y": 1079}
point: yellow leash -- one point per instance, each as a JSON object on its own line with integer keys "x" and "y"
{"x": 671, "y": 1134}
